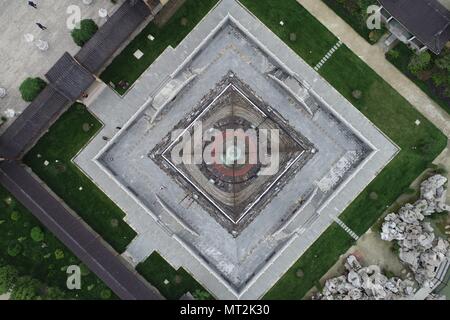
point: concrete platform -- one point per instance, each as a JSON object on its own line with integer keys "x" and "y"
{"x": 168, "y": 218}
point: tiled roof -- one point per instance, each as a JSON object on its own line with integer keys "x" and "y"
{"x": 428, "y": 20}
{"x": 69, "y": 78}
{"x": 99, "y": 49}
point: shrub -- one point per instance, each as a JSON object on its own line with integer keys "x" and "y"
{"x": 419, "y": 62}
{"x": 84, "y": 269}
{"x": 31, "y": 87}
{"x": 59, "y": 254}
{"x": 105, "y": 294}
{"x": 444, "y": 62}
{"x": 14, "y": 248}
{"x": 26, "y": 288}
{"x": 37, "y": 234}
{"x": 15, "y": 216}
{"x": 439, "y": 78}
{"x": 54, "y": 293}
{"x": 357, "y": 94}
{"x": 8, "y": 276}
{"x": 201, "y": 295}
{"x": 85, "y": 32}
{"x": 394, "y": 54}
{"x": 375, "y": 35}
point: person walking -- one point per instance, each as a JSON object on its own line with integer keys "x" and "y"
{"x": 32, "y": 4}
{"x": 41, "y": 26}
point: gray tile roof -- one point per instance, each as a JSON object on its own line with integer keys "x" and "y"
{"x": 99, "y": 49}
{"x": 69, "y": 78}
{"x": 28, "y": 127}
{"x": 428, "y": 20}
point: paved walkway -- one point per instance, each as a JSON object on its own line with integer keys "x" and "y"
{"x": 349, "y": 231}
{"x": 19, "y": 59}
{"x": 5, "y": 296}
{"x": 374, "y": 57}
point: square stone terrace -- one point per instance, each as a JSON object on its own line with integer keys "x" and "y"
{"x": 233, "y": 193}
{"x": 170, "y": 220}
{"x": 19, "y": 59}
{"x": 235, "y": 258}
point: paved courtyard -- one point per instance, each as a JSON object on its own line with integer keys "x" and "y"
{"x": 20, "y": 59}
{"x": 170, "y": 216}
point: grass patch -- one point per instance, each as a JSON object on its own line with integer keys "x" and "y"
{"x": 401, "y": 61}
{"x": 383, "y": 106}
{"x": 312, "y": 42}
{"x": 392, "y": 114}
{"x": 63, "y": 141}
{"x": 156, "y": 270}
{"x": 43, "y": 258}
{"x": 314, "y": 263}
{"x": 125, "y": 67}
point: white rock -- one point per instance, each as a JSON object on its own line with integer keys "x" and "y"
{"x": 419, "y": 248}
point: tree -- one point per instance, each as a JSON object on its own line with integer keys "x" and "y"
{"x": 26, "y": 288}
{"x": 419, "y": 62}
{"x": 444, "y": 62}
{"x": 31, "y": 87}
{"x": 84, "y": 32}
{"x": 8, "y": 276}
{"x": 14, "y": 248}
{"x": 54, "y": 293}
{"x": 439, "y": 78}
{"x": 37, "y": 234}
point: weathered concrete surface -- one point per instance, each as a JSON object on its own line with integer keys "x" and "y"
{"x": 157, "y": 229}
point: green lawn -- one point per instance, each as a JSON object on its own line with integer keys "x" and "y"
{"x": 307, "y": 271}
{"x": 383, "y": 106}
{"x": 45, "y": 260}
{"x": 401, "y": 63}
{"x": 156, "y": 270}
{"x": 395, "y": 117}
{"x": 127, "y": 68}
{"x": 63, "y": 141}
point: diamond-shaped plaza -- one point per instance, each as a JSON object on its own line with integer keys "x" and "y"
{"x": 243, "y": 229}
{"x": 234, "y": 190}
